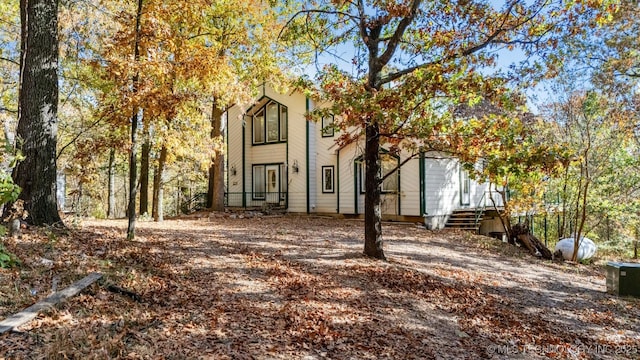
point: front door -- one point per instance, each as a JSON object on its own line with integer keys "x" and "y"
{"x": 273, "y": 184}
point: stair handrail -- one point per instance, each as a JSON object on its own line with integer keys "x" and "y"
{"x": 480, "y": 206}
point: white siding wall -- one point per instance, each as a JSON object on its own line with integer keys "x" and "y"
{"x": 442, "y": 176}
{"x": 259, "y": 154}
{"x": 297, "y": 186}
{"x": 270, "y": 153}
{"x": 326, "y": 155}
{"x": 314, "y": 167}
{"x": 349, "y": 154}
{"x": 234, "y": 154}
{"x": 347, "y": 185}
{"x": 478, "y": 190}
{"x": 443, "y": 188}
{"x": 406, "y": 203}
{"x": 410, "y": 188}
{"x": 326, "y": 202}
{"x": 442, "y": 185}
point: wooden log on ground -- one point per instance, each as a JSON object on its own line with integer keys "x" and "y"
{"x": 544, "y": 251}
{"x": 32, "y": 311}
{"x": 535, "y": 247}
{"x": 522, "y": 234}
{"x": 524, "y": 239}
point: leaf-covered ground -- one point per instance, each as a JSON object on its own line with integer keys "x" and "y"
{"x": 214, "y": 287}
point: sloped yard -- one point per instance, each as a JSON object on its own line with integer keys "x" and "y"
{"x": 298, "y": 288}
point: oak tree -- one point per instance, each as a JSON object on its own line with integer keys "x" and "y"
{"x": 412, "y": 59}
{"x": 38, "y": 110}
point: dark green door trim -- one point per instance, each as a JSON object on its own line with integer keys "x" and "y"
{"x": 244, "y": 180}
{"x": 423, "y": 204}
{"x": 356, "y": 187}
{"x": 338, "y": 181}
{"x": 307, "y": 156}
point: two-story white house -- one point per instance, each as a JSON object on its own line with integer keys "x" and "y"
{"x": 278, "y": 158}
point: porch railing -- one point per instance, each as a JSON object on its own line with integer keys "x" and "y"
{"x": 255, "y": 199}
{"x": 485, "y": 201}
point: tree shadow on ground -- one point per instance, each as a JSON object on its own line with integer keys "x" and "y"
{"x": 235, "y": 290}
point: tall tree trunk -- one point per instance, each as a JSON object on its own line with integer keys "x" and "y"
{"x": 581, "y": 215}
{"x": 372, "y": 209}
{"x": 158, "y": 182}
{"x": 635, "y": 245}
{"x": 504, "y": 215}
{"x": 565, "y": 205}
{"x": 133, "y": 175}
{"x": 215, "y": 195}
{"x": 144, "y": 176}
{"x": 211, "y": 183}
{"x": 154, "y": 196}
{"x": 111, "y": 202}
{"x": 38, "y": 110}
{"x": 581, "y": 210}
{"x": 133, "y": 169}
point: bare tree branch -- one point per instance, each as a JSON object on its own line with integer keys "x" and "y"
{"x": 78, "y": 135}
{"x": 384, "y": 177}
{"x": 392, "y": 45}
{"x": 8, "y": 110}
{"x": 10, "y": 60}
{"x": 315, "y": 11}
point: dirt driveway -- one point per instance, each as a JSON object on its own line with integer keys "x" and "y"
{"x": 298, "y": 288}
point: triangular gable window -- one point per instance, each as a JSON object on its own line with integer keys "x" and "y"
{"x": 269, "y": 120}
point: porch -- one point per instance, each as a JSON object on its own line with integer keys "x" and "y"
{"x": 256, "y": 200}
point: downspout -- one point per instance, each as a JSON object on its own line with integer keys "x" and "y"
{"x": 307, "y": 155}
{"x": 244, "y": 185}
{"x": 422, "y": 192}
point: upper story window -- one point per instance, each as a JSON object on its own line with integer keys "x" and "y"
{"x": 327, "y": 126}
{"x": 270, "y": 123}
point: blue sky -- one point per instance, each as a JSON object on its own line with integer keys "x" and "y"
{"x": 342, "y": 57}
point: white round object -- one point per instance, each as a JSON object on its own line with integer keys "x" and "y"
{"x": 586, "y": 248}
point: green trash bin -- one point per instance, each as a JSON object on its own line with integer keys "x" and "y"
{"x": 623, "y": 279}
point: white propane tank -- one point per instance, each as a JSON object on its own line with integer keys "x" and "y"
{"x": 586, "y": 248}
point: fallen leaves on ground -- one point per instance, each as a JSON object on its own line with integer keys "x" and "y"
{"x": 297, "y": 287}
